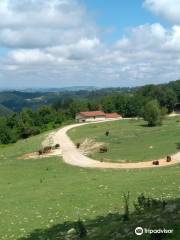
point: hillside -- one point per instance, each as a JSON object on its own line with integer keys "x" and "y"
{"x": 43, "y": 198}
{"x": 35, "y": 98}
{"x": 4, "y": 111}
{"x": 129, "y": 140}
{"x": 17, "y": 100}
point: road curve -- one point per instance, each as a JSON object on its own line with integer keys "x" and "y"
{"x": 71, "y": 155}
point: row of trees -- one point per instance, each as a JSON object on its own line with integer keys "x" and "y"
{"x": 28, "y": 123}
{"x": 150, "y": 102}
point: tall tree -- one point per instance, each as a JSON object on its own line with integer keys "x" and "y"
{"x": 153, "y": 113}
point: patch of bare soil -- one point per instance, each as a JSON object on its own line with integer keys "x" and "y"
{"x": 35, "y": 155}
{"x": 90, "y": 146}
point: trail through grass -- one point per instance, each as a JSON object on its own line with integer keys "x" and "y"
{"x": 131, "y": 140}
{"x": 42, "y": 193}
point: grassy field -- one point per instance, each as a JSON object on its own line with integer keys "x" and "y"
{"x": 46, "y": 193}
{"x": 131, "y": 140}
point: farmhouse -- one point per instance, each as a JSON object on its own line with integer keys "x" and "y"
{"x": 95, "y": 116}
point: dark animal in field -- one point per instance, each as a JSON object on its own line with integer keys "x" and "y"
{"x": 78, "y": 145}
{"x": 103, "y": 149}
{"x": 40, "y": 152}
{"x": 156, "y": 162}
{"x": 107, "y": 133}
{"x": 168, "y": 159}
{"x": 47, "y": 149}
{"x": 57, "y": 146}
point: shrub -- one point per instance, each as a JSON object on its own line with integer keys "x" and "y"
{"x": 126, "y": 206}
{"x": 145, "y": 203}
{"x": 80, "y": 229}
{"x": 153, "y": 113}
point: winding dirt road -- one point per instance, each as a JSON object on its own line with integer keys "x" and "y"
{"x": 71, "y": 155}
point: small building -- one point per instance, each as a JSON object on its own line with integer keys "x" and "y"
{"x": 94, "y": 116}
{"x": 113, "y": 115}
{"x": 90, "y": 116}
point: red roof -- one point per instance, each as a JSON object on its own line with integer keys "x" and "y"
{"x": 112, "y": 115}
{"x": 93, "y": 114}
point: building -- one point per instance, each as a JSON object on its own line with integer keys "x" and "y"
{"x": 113, "y": 115}
{"x": 95, "y": 116}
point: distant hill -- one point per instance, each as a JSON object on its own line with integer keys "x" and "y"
{"x": 17, "y": 100}
{"x": 35, "y": 98}
{"x": 4, "y": 111}
{"x": 64, "y": 89}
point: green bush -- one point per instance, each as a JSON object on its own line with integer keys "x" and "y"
{"x": 153, "y": 113}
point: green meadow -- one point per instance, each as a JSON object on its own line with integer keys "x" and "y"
{"x": 49, "y": 195}
{"x": 131, "y": 140}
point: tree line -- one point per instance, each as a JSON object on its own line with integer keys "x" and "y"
{"x": 150, "y": 102}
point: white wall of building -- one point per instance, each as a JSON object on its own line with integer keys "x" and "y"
{"x": 80, "y": 118}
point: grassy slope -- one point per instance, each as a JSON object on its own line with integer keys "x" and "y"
{"x": 41, "y": 193}
{"x": 130, "y": 140}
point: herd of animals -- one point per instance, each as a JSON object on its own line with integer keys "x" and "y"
{"x": 102, "y": 149}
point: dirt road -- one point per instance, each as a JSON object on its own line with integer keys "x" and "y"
{"x": 71, "y": 155}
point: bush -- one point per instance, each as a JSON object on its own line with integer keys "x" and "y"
{"x": 126, "y": 206}
{"x": 80, "y": 229}
{"x": 153, "y": 113}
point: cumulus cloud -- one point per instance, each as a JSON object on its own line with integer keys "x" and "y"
{"x": 30, "y": 56}
{"x": 42, "y": 23}
{"x": 65, "y": 48}
{"x": 167, "y": 9}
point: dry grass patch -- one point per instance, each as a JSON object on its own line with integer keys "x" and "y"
{"x": 90, "y": 146}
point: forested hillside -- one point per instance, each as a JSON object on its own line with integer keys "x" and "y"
{"x": 4, "y": 111}
{"x": 41, "y": 111}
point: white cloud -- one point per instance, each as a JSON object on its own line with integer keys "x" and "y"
{"x": 30, "y": 56}
{"x": 65, "y": 48}
{"x": 43, "y": 23}
{"x": 173, "y": 41}
{"x": 167, "y": 9}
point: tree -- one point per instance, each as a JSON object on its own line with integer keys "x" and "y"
{"x": 6, "y": 134}
{"x": 153, "y": 113}
{"x": 162, "y": 93}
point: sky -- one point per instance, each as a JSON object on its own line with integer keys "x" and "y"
{"x": 103, "y": 43}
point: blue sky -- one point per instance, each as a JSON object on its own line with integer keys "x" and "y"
{"x": 119, "y": 15}
{"x": 88, "y": 42}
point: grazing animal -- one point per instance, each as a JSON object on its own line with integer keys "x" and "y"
{"x": 47, "y": 149}
{"x": 40, "y": 152}
{"x": 103, "y": 149}
{"x": 107, "y": 133}
{"x": 57, "y": 146}
{"x": 78, "y": 145}
{"x": 168, "y": 159}
{"x": 156, "y": 162}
